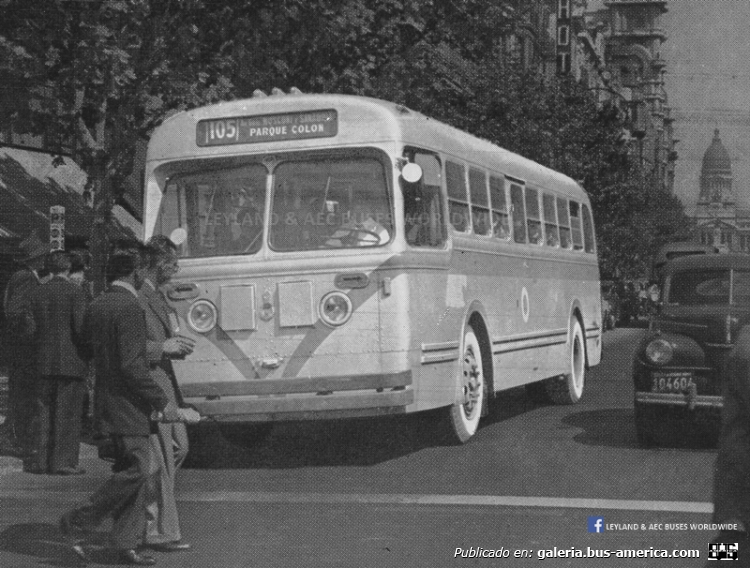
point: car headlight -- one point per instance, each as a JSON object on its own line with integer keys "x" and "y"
{"x": 202, "y": 316}
{"x": 659, "y": 352}
{"x": 335, "y": 308}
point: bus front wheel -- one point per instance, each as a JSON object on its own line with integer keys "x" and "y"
{"x": 463, "y": 416}
{"x": 568, "y": 389}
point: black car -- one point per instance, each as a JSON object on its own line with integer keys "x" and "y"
{"x": 678, "y": 366}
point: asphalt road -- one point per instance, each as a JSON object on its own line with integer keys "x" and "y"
{"x": 381, "y": 493}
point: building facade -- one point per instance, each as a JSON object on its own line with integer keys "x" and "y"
{"x": 719, "y": 221}
{"x": 614, "y": 47}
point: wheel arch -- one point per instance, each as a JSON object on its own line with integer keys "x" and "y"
{"x": 576, "y": 312}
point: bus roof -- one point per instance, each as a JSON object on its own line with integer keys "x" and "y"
{"x": 361, "y": 121}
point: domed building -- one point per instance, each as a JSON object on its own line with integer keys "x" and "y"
{"x": 718, "y": 221}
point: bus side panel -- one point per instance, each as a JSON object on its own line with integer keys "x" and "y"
{"x": 528, "y": 304}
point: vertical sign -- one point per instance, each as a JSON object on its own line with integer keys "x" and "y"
{"x": 563, "y": 40}
{"x": 57, "y": 227}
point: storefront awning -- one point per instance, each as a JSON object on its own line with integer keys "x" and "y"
{"x": 32, "y": 181}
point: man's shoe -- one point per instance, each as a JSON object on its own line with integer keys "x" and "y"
{"x": 70, "y": 471}
{"x": 131, "y": 556}
{"x": 174, "y": 546}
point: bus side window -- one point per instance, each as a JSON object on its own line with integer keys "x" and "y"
{"x": 575, "y": 225}
{"x": 533, "y": 219}
{"x": 424, "y": 220}
{"x": 500, "y": 222}
{"x": 550, "y": 220}
{"x": 563, "y": 218}
{"x": 588, "y": 230}
{"x": 519, "y": 213}
{"x": 458, "y": 204}
{"x": 480, "y": 212}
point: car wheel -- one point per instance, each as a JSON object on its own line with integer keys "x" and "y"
{"x": 646, "y": 422}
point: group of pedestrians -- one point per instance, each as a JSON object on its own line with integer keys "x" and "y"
{"x": 128, "y": 335}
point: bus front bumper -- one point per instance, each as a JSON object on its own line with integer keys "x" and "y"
{"x": 273, "y": 400}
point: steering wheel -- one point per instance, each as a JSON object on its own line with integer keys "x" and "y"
{"x": 360, "y": 234}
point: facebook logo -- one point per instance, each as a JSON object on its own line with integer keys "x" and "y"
{"x": 596, "y": 524}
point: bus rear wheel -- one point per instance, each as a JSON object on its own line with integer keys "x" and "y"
{"x": 463, "y": 416}
{"x": 569, "y": 388}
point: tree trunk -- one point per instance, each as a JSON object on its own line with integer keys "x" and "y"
{"x": 101, "y": 230}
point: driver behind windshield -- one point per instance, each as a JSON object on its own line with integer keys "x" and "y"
{"x": 363, "y": 224}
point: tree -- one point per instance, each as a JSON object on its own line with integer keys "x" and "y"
{"x": 104, "y": 72}
{"x": 557, "y": 122}
{"x": 95, "y": 77}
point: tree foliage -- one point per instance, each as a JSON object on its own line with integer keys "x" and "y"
{"x": 97, "y": 75}
{"x": 103, "y": 73}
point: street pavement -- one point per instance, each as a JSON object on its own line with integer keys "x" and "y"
{"x": 297, "y": 502}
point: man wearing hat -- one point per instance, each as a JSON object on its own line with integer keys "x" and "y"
{"x": 18, "y": 424}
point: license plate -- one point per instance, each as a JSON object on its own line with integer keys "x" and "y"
{"x": 671, "y": 382}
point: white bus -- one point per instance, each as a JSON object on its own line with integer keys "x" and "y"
{"x": 343, "y": 256}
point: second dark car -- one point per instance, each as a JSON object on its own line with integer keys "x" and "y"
{"x": 679, "y": 364}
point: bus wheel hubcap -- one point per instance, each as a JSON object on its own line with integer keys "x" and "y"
{"x": 472, "y": 383}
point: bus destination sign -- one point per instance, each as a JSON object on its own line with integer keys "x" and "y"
{"x": 267, "y": 128}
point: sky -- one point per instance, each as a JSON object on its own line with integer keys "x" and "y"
{"x": 708, "y": 86}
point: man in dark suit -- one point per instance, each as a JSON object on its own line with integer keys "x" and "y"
{"x": 18, "y": 425}
{"x": 164, "y": 343}
{"x": 115, "y": 333}
{"x": 732, "y": 471}
{"x": 57, "y": 309}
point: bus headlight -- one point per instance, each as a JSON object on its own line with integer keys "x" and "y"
{"x": 659, "y": 351}
{"x": 202, "y": 316}
{"x": 335, "y": 308}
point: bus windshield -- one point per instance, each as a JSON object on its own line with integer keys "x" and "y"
{"x": 316, "y": 204}
{"x": 329, "y": 204}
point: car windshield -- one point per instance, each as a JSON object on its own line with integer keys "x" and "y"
{"x": 316, "y": 204}
{"x": 716, "y": 286}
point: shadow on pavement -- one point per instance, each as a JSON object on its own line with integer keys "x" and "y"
{"x": 615, "y": 427}
{"x": 41, "y": 541}
{"x": 46, "y": 543}
{"x": 352, "y": 442}
{"x": 315, "y": 443}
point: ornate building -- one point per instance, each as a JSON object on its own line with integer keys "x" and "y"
{"x": 614, "y": 46}
{"x": 719, "y": 222}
